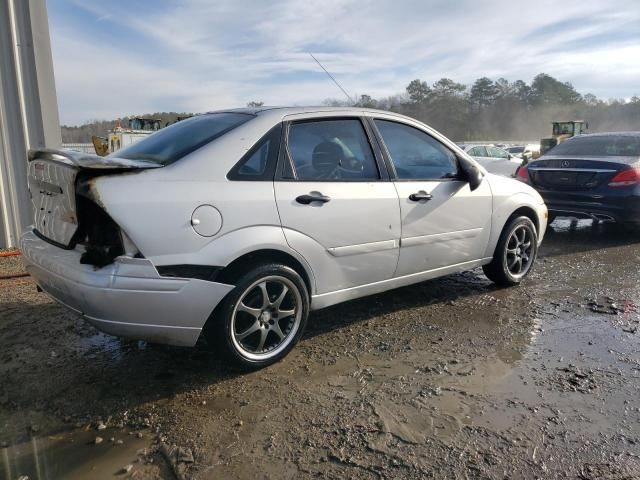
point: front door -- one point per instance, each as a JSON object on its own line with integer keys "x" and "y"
{"x": 336, "y": 209}
{"x": 444, "y": 223}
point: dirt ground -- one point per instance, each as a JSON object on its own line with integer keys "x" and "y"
{"x": 451, "y": 378}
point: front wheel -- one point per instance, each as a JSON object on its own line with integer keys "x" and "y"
{"x": 262, "y": 318}
{"x": 515, "y": 253}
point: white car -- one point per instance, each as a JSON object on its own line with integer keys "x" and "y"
{"x": 238, "y": 223}
{"x": 493, "y": 159}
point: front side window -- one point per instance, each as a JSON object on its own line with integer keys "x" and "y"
{"x": 175, "y": 141}
{"x": 325, "y": 150}
{"x": 415, "y": 154}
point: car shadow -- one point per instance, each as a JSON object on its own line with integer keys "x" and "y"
{"x": 443, "y": 290}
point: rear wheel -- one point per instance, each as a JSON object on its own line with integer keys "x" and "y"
{"x": 262, "y": 318}
{"x": 515, "y": 253}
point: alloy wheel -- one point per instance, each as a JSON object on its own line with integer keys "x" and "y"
{"x": 266, "y": 317}
{"x": 519, "y": 251}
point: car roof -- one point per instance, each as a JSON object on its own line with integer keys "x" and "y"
{"x": 283, "y": 111}
{"x": 609, "y": 134}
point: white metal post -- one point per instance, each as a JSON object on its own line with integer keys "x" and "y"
{"x": 28, "y": 107}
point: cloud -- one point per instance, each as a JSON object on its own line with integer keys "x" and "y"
{"x": 116, "y": 58}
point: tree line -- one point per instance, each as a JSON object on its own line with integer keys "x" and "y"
{"x": 503, "y": 110}
{"x": 485, "y": 110}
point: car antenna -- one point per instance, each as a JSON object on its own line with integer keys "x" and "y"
{"x": 332, "y": 78}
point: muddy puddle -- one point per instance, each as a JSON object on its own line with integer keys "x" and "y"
{"x": 77, "y": 455}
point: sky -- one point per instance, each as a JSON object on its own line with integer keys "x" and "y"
{"x": 122, "y": 57}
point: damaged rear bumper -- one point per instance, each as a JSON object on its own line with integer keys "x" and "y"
{"x": 127, "y": 298}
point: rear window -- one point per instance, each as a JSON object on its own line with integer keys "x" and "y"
{"x": 610, "y": 145}
{"x": 176, "y": 141}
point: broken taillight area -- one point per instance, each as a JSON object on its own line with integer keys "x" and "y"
{"x": 98, "y": 233}
{"x": 102, "y": 238}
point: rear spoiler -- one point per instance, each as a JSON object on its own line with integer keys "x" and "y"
{"x": 89, "y": 160}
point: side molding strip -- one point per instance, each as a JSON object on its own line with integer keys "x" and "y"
{"x": 363, "y": 248}
{"x": 440, "y": 237}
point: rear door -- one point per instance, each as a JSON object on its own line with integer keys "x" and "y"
{"x": 336, "y": 203}
{"x": 444, "y": 223}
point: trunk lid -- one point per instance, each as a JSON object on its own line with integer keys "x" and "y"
{"x": 52, "y": 186}
{"x": 574, "y": 174}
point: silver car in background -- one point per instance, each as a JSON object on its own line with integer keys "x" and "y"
{"x": 494, "y": 159}
{"x": 237, "y": 223}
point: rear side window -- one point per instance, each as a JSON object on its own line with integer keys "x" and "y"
{"x": 415, "y": 154}
{"x": 174, "y": 142}
{"x": 259, "y": 163}
{"x": 326, "y": 150}
{"x": 609, "y": 145}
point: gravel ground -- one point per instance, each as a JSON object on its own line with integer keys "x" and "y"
{"x": 451, "y": 378}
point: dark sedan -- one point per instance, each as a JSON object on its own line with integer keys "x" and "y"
{"x": 590, "y": 176}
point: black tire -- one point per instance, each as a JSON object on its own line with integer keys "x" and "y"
{"x": 507, "y": 251}
{"x": 222, "y": 328}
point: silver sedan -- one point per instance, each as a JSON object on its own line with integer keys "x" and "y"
{"x": 494, "y": 159}
{"x": 236, "y": 224}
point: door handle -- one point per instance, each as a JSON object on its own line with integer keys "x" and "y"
{"x": 307, "y": 199}
{"x": 416, "y": 197}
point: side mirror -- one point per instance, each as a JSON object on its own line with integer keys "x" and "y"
{"x": 471, "y": 172}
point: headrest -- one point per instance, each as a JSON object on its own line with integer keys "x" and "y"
{"x": 326, "y": 157}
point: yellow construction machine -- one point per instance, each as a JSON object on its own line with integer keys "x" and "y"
{"x": 561, "y": 131}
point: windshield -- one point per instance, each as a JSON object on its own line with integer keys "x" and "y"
{"x": 605, "y": 145}
{"x": 176, "y": 141}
